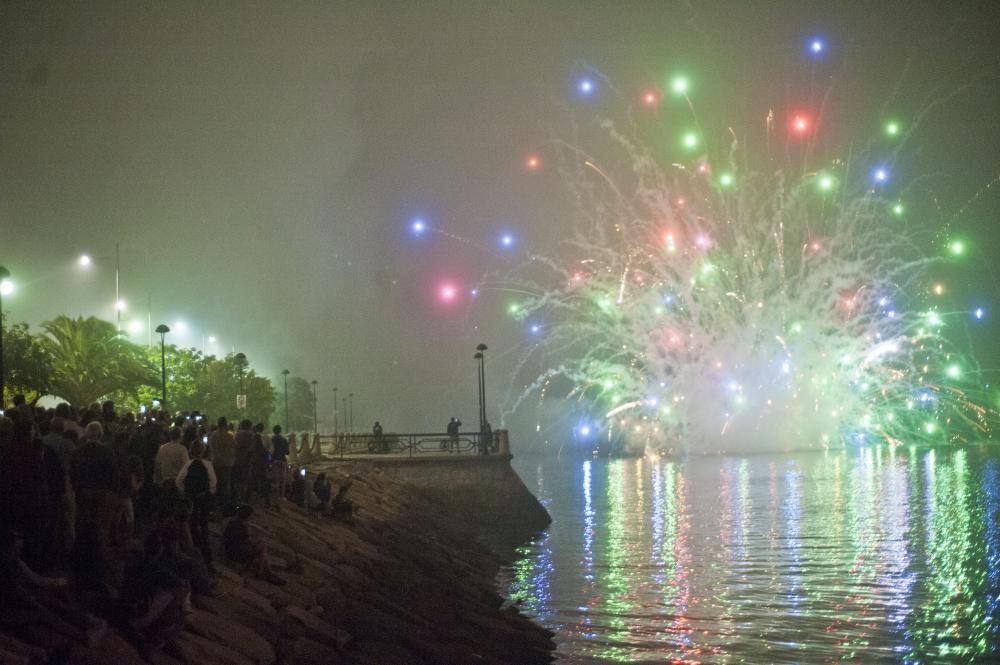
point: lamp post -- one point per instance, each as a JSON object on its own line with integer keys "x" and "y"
{"x": 344, "y": 401}
{"x": 335, "y": 424}
{"x": 315, "y": 420}
{"x": 483, "y": 444}
{"x": 285, "y": 373}
{"x": 85, "y": 262}
{"x": 241, "y": 366}
{"x": 163, "y": 330}
{"x": 6, "y": 288}
{"x": 350, "y": 409}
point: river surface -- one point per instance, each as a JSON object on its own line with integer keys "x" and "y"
{"x": 874, "y": 555}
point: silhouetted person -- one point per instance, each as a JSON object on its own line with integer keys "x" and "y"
{"x": 242, "y": 459}
{"x": 279, "y": 460}
{"x": 246, "y": 551}
{"x": 95, "y": 483}
{"x": 378, "y": 443}
{"x": 223, "y": 446}
{"x": 198, "y": 483}
{"x": 259, "y": 464}
{"x": 170, "y": 459}
{"x": 453, "y": 426}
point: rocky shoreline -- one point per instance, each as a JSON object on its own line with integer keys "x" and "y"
{"x": 407, "y": 582}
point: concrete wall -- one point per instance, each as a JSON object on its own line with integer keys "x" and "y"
{"x": 486, "y": 487}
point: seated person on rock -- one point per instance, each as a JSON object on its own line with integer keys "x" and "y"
{"x": 153, "y": 598}
{"x": 35, "y": 608}
{"x": 322, "y": 492}
{"x": 245, "y": 551}
{"x": 179, "y": 553}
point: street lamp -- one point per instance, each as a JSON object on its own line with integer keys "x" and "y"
{"x": 86, "y": 261}
{"x": 344, "y": 403}
{"x": 285, "y": 373}
{"x": 6, "y": 288}
{"x": 483, "y": 444}
{"x": 335, "y": 425}
{"x": 315, "y": 421}
{"x": 241, "y": 365}
{"x": 350, "y": 410}
{"x": 163, "y": 330}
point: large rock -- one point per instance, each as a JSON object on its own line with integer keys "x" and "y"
{"x": 196, "y": 650}
{"x": 298, "y": 622}
{"x": 333, "y": 601}
{"x": 234, "y": 635}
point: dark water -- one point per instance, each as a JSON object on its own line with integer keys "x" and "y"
{"x": 875, "y": 555}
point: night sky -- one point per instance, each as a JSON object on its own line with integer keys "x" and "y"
{"x": 260, "y": 165}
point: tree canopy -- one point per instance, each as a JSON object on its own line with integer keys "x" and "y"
{"x": 84, "y": 360}
{"x": 90, "y": 360}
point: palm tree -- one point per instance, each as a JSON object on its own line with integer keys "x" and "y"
{"x": 90, "y": 360}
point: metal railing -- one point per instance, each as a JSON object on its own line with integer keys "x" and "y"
{"x": 409, "y": 445}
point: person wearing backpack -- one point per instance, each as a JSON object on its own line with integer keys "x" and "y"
{"x": 197, "y": 482}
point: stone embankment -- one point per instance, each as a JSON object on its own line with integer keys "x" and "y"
{"x": 406, "y": 583}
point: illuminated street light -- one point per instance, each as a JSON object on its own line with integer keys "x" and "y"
{"x": 6, "y": 288}
{"x": 163, "y": 330}
{"x": 86, "y": 261}
{"x": 285, "y": 374}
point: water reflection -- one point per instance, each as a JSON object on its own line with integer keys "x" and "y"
{"x": 877, "y": 555}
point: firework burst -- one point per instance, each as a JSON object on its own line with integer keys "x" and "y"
{"x": 707, "y": 306}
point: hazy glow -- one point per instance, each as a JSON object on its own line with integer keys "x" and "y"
{"x": 135, "y": 326}
{"x": 680, "y": 85}
{"x": 120, "y": 305}
{"x": 448, "y": 292}
{"x": 6, "y": 286}
{"x": 85, "y": 261}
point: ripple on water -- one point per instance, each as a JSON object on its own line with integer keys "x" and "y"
{"x": 768, "y": 558}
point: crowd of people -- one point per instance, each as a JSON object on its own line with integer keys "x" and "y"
{"x": 104, "y": 517}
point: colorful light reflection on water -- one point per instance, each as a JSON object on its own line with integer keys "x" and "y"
{"x": 876, "y": 555}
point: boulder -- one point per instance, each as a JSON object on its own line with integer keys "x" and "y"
{"x": 234, "y": 635}
{"x": 299, "y": 622}
{"x": 196, "y": 650}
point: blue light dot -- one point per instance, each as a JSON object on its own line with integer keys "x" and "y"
{"x": 535, "y": 328}
{"x": 817, "y": 46}
{"x": 585, "y": 86}
{"x": 507, "y": 240}
{"x": 979, "y": 313}
{"x": 880, "y": 174}
{"x": 418, "y": 226}
{"x": 585, "y": 431}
